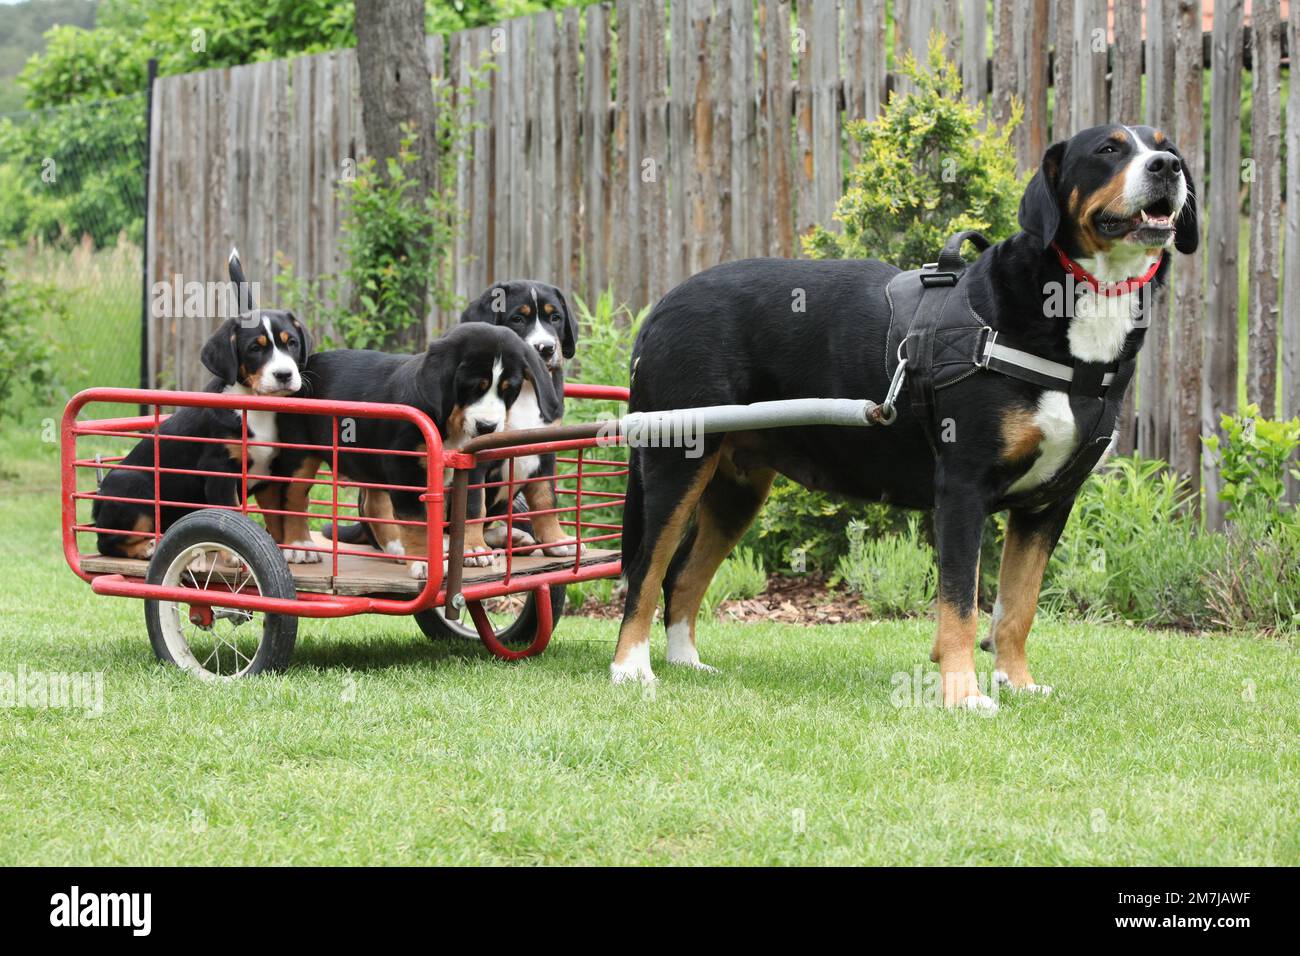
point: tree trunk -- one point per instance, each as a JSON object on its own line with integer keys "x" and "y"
{"x": 397, "y": 89}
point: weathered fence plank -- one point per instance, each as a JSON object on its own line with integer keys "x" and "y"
{"x": 1185, "y": 441}
{"x": 1291, "y": 270}
{"x": 1265, "y": 199}
{"x": 1220, "y": 387}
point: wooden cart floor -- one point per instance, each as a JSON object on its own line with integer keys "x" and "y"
{"x": 366, "y": 575}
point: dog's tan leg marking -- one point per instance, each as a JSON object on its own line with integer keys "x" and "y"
{"x": 297, "y": 498}
{"x": 540, "y": 496}
{"x": 632, "y": 655}
{"x": 715, "y": 537}
{"x": 1024, "y": 559}
{"x": 270, "y": 497}
{"x": 954, "y": 650}
{"x": 377, "y": 504}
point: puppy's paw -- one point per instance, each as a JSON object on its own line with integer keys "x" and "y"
{"x": 297, "y": 553}
{"x": 150, "y": 548}
{"x": 495, "y": 537}
{"x": 980, "y": 704}
{"x": 1003, "y": 680}
{"x": 694, "y": 665}
{"x": 560, "y": 550}
{"x": 419, "y": 570}
{"x": 478, "y": 560}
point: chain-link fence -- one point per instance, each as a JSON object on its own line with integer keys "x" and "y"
{"x": 72, "y": 211}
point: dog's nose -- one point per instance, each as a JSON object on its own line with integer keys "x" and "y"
{"x": 284, "y": 376}
{"x": 1164, "y": 164}
{"x": 546, "y": 351}
{"x": 484, "y": 428}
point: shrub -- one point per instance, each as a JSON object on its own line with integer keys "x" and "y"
{"x": 804, "y": 530}
{"x": 932, "y": 164}
{"x": 740, "y": 577}
{"x": 1257, "y": 584}
{"x": 1254, "y": 457}
{"x": 895, "y": 574}
{"x": 26, "y": 358}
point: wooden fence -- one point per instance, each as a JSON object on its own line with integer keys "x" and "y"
{"x": 630, "y": 145}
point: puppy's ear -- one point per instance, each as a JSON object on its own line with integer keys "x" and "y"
{"x": 437, "y": 379}
{"x": 551, "y": 404}
{"x": 569, "y": 328}
{"x": 490, "y": 307}
{"x": 1187, "y": 228}
{"x": 304, "y": 340}
{"x": 220, "y": 354}
{"x": 1040, "y": 213}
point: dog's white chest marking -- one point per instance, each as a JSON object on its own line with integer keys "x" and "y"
{"x": 1056, "y": 421}
{"x": 524, "y": 413}
{"x": 261, "y": 427}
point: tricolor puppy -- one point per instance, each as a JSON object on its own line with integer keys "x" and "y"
{"x": 467, "y": 382}
{"x": 1099, "y": 221}
{"x": 259, "y": 353}
{"x": 538, "y": 313}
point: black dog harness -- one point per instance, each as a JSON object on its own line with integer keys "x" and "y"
{"x": 936, "y": 339}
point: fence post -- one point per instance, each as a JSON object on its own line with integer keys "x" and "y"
{"x": 144, "y": 242}
{"x": 1219, "y": 391}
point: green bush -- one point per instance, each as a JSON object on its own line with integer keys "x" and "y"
{"x": 26, "y": 355}
{"x": 932, "y": 164}
{"x": 1257, "y": 584}
{"x": 804, "y": 531}
{"x": 1254, "y": 458}
{"x": 895, "y": 574}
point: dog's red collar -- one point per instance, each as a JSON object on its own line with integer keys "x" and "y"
{"x": 1106, "y": 288}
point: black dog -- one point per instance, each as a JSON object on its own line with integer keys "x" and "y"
{"x": 259, "y": 353}
{"x": 1103, "y": 207}
{"x": 538, "y": 313}
{"x": 466, "y": 381}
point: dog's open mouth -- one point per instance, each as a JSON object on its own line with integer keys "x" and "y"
{"x": 1152, "y": 225}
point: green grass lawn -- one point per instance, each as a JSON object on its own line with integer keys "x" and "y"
{"x": 380, "y": 747}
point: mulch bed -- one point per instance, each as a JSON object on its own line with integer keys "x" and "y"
{"x": 803, "y": 600}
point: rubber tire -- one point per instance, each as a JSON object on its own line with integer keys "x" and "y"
{"x": 257, "y": 549}
{"x": 520, "y": 631}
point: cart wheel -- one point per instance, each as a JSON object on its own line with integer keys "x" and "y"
{"x": 219, "y": 552}
{"x": 521, "y": 630}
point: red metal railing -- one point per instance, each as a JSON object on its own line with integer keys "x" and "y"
{"x": 589, "y": 514}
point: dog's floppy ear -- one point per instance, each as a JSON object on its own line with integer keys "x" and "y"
{"x": 569, "y": 332}
{"x": 220, "y": 355}
{"x": 551, "y": 404}
{"x": 490, "y": 307}
{"x": 1040, "y": 213}
{"x": 1187, "y": 228}
{"x": 304, "y": 340}
{"x": 437, "y": 378}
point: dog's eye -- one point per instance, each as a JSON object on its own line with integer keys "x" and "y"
{"x": 1107, "y": 148}
{"x": 516, "y": 317}
{"x": 483, "y": 384}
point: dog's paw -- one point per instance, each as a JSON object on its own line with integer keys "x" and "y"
{"x": 560, "y": 550}
{"x": 635, "y": 667}
{"x": 478, "y": 560}
{"x": 150, "y": 548}
{"x": 980, "y": 704}
{"x": 296, "y": 553}
{"x": 495, "y": 537}
{"x": 628, "y": 673}
{"x": 419, "y": 570}
{"x": 694, "y": 665}
{"x": 1003, "y": 680}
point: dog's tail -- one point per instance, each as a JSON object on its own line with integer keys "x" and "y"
{"x": 633, "y": 509}
{"x": 242, "y": 288}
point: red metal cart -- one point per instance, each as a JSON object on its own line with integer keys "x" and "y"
{"x": 221, "y": 601}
